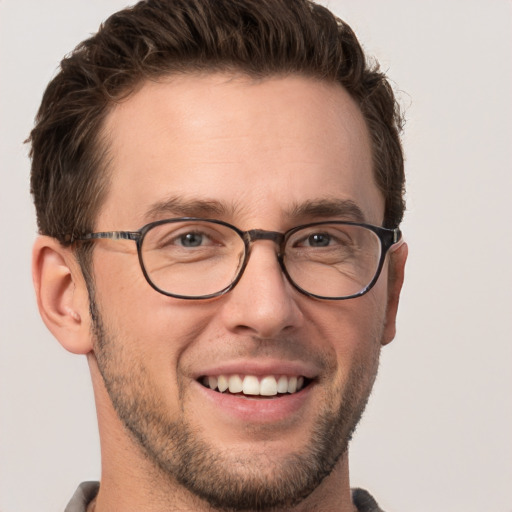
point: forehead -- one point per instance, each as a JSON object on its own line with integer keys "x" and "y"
{"x": 258, "y": 149}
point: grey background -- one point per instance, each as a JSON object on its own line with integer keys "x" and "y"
{"x": 437, "y": 433}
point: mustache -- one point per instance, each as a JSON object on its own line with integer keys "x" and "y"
{"x": 288, "y": 348}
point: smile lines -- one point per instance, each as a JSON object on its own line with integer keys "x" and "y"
{"x": 252, "y": 385}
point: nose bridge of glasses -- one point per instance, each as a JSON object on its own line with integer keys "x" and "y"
{"x": 254, "y": 235}
{"x": 261, "y": 234}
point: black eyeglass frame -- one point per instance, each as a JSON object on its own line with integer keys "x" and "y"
{"x": 387, "y": 237}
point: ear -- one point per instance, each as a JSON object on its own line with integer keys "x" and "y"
{"x": 62, "y": 295}
{"x": 396, "y": 268}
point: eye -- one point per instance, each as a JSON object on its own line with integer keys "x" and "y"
{"x": 188, "y": 238}
{"x": 318, "y": 240}
{"x": 192, "y": 239}
{"x": 322, "y": 237}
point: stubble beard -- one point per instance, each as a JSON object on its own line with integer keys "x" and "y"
{"x": 227, "y": 481}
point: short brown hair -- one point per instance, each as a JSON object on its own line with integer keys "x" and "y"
{"x": 160, "y": 37}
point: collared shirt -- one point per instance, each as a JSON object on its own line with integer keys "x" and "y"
{"x": 87, "y": 491}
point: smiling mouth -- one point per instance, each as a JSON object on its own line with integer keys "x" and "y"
{"x": 269, "y": 386}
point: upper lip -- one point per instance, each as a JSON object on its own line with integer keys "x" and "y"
{"x": 259, "y": 368}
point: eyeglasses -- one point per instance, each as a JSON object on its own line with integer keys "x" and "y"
{"x": 193, "y": 258}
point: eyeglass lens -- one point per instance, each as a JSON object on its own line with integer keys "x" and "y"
{"x": 197, "y": 258}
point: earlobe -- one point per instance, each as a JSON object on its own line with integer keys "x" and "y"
{"x": 396, "y": 272}
{"x": 61, "y": 294}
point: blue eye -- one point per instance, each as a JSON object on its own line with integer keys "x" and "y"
{"x": 191, "y": 239}
{"x": 319, "y": 240}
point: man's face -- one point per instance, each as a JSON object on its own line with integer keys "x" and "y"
{"x": 256, "y": 154}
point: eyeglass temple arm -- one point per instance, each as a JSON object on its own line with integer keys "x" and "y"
{"x": 112, "y": 235}
{"x": 398, "y": 240}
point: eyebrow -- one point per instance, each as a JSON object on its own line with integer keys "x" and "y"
{"x": 328, "y": 208}
{"x": 181, "y": 207}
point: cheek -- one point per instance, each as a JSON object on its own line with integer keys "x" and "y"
{"x": 350, "y": 331}
{"x": 153, "y": 329}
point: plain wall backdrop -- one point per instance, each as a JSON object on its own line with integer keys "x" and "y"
{"x": 437, "y": 433}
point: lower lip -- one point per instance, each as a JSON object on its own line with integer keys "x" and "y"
{"x": 258, "y": 410}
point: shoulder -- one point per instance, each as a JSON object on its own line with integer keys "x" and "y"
{"x": 364, "y": 501}
{"x": 85, "y": 493}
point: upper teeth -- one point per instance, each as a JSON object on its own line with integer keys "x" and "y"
{"x": 252, "y": 385}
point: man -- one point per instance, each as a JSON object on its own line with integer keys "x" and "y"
{"x": 219, "y": 187}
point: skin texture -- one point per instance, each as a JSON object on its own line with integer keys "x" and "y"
{"x": 252, "y": 153}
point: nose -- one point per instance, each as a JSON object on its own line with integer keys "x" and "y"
{"x": 263, "y": 303}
